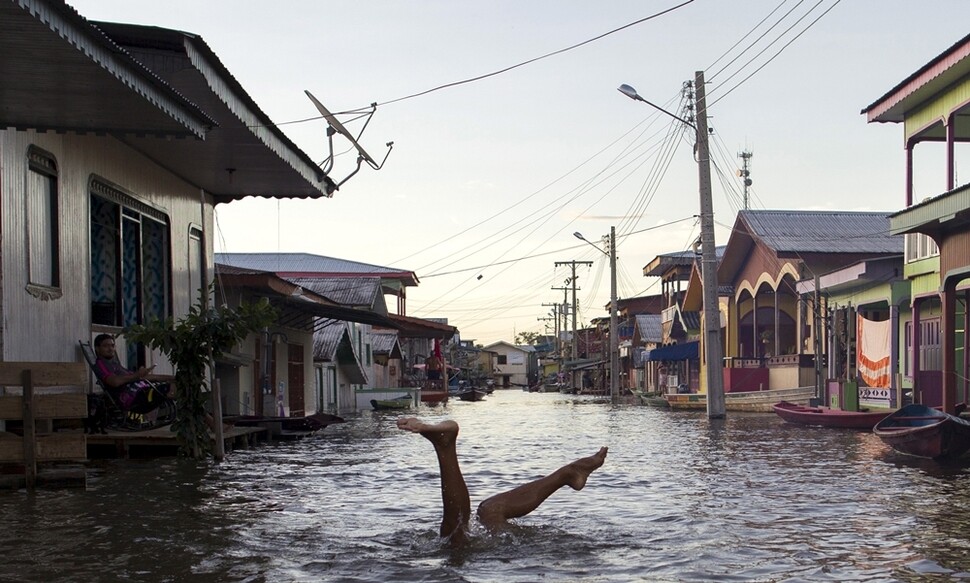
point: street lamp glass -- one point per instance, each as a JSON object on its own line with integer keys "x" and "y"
{"x": 579, "y": 236}
{"x": 628, "y": 91}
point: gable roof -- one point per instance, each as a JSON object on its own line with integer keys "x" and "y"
{"x": 347, "y": 291}
{"x": 505, "y": 344}
{"x": 310, "y": 265}
{"x": 649, "y": 327}
{"x": 282, "y": 293}
{"x": 794, "y": 233}
{"x": 947, "y": 68}
{"x": 145, "y": 85}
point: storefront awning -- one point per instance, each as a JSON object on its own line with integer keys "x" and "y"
{"x": 684, "y": 351}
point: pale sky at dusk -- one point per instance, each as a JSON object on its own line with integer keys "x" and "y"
{"x": 492, "y": 177}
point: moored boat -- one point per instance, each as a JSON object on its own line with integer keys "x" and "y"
{"x": 826, "y": 417}
{"x": 922, "y": 431}
{"x": 471, "y": 394}
{"x": 402, "y": 402}
{"x": 756, "y": 401}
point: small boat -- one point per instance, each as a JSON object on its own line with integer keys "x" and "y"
{"x": 795, "y": 413}
{"x": 402, "y": 402}
{"x": 751, "y": 401}
{"x": 471, "y": 394}
{"x": 652, "y": 399}
{"x": 922, "y": 431}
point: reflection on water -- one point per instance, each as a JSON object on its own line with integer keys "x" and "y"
{"x": 681, "y": 498}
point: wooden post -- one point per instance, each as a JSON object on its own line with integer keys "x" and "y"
{"x": 30, "y": 432}
{"x": 220, "y": 446}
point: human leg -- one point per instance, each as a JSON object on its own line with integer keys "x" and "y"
{"x": 495, "y": 511}
{"x": 454, "y": 492}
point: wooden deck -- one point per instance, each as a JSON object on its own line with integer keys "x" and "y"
{"x": 161, "y": 442}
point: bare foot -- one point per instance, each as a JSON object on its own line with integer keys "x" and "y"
{"x": 440, "y": 434}
{"x": 580, "y": 469}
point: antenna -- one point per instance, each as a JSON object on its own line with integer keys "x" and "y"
{"x": 335, "y": 127}
{"x": 745, "y": 174}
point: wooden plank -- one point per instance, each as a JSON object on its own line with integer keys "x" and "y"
{"x": 52, "y": 447}
{"x": 45, "y": 374}
{"x": 30, "y": 436}
{"x": 47, "y": 406}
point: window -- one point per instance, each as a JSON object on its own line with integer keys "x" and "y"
{"x": 502, "y": 359}
{"x": 41, "y": 221}
{"x": 130, "y": 259}
{"x": 920, "y": 246}
{"x": 197, "y": 278}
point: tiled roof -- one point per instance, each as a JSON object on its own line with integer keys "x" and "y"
{"x": 797, "y": 231}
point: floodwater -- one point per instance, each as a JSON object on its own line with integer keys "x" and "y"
{"x": 680, "y": 498}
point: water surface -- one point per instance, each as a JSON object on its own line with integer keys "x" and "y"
{"x": 680, "y": 498}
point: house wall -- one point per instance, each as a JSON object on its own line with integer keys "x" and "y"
{"x": 518, "y": 373}
{"x": 48, "y": 330}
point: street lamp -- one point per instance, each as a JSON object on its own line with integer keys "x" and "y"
{"x": 712, "y": 313}
{"x": 614, "y": 327}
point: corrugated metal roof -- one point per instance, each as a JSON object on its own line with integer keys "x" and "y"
{"x": 308, "y": 264}
{"x": 942, "y": 71}
{"x": 796, "y": 231}
{"x": 650, "y": 327}
{"x": 326, "y": 340}
{"x": 382, "y": 342}
{"x": 347, "y": 291}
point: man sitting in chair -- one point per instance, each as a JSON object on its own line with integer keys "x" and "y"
{"x": 133, "y": 392}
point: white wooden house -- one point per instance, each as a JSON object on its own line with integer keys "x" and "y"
{"x": 117, "y": 142}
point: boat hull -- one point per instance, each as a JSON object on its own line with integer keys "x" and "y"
{"x": 825, "y": 417}
{"x": 433, "y": 396}
{"x": 925, "y": 432}
{"x": 471, "y": 395}
{"x": 754, "y": 401}
{"x": 391, "y": 404}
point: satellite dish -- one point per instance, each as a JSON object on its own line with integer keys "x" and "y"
{"x": 338, "y": 128}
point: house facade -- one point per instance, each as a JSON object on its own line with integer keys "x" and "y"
{"x": 113, "y": 154}
{"x": 931, "y": 104}
{"x": 514, "y": 365}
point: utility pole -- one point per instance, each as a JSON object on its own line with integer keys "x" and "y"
{"x": 555, "y": 318}
{"x": 575, "y": 340}
{"x": 745, "y": 175}
{"x": 712, "y": 312}
{"x": 614, "y": 325}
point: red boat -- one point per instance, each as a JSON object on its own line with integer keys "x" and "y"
{"x": 794, "y": 413}
{"x": 925, "y": 432}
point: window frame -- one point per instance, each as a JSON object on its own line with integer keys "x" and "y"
{"x": 129, "y": 213}
{"x": 44, "y": 164}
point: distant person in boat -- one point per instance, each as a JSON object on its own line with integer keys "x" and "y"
{"x": 432, "y": 366}
{"x": 495, "y": 512}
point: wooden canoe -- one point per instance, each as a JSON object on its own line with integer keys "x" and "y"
{"x": 756, "y": 401}
{"x": 922, "y": 431}
{"x": 825, "y": 417}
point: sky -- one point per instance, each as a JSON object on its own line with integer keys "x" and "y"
{"x": 489, "y": 179}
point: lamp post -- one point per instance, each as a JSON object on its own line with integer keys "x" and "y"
{"x": 712, "y": 313}
{"x": 614, "y": 327}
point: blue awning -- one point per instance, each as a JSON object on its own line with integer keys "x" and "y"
{"x": 685, "y": 351}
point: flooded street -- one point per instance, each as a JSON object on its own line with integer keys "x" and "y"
{"x": 680, "y": 498}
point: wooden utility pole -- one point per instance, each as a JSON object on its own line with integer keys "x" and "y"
{"x": 712, "y": 311}
{"x": 575, "y": 340}
{"x": 555, "y": 318}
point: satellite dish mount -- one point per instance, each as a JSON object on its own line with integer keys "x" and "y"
{"x": 335, "y": 127}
